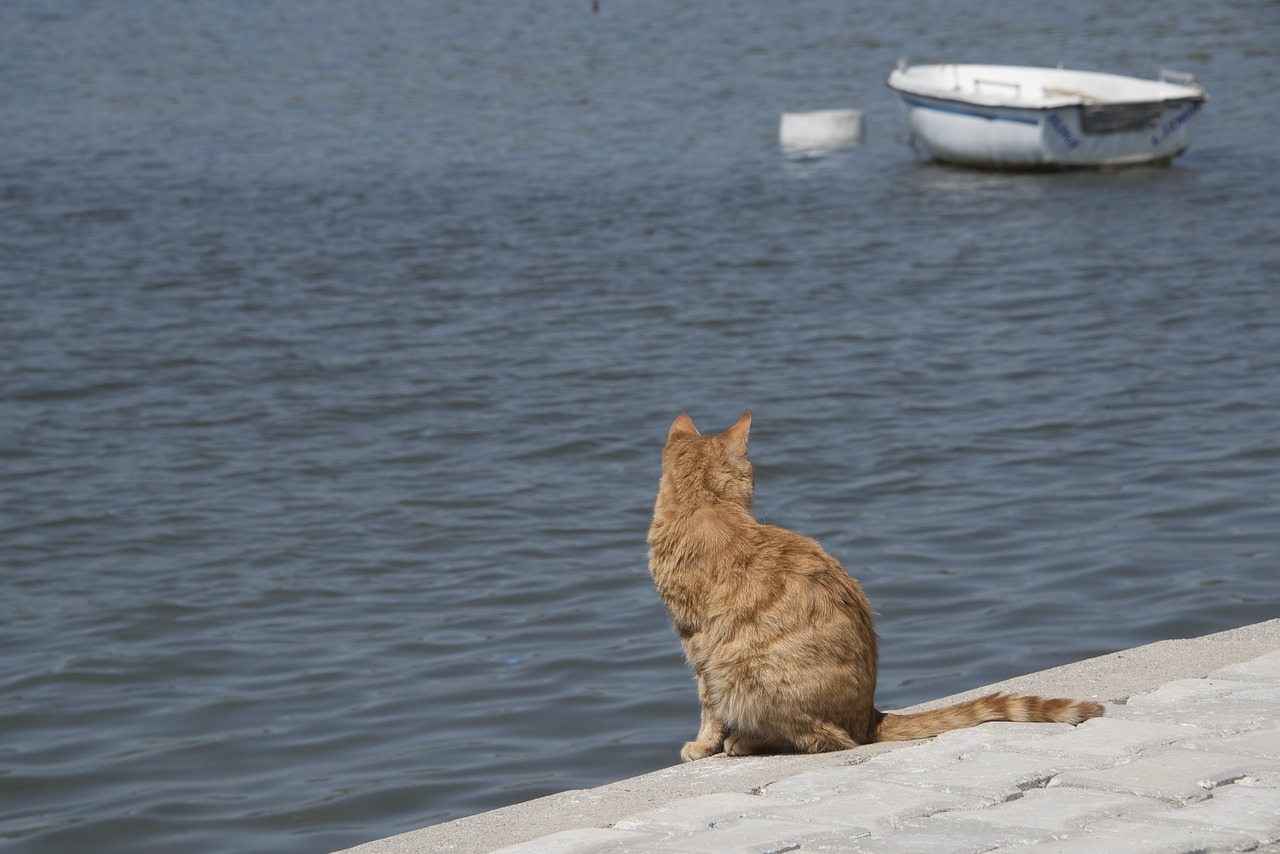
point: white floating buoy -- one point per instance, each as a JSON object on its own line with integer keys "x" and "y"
{"x": 821, "y": 129}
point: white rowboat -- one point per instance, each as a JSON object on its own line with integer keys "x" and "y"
{"x": 1016, "y": 117}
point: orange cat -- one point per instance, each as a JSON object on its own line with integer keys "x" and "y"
{"x": 779, "y": 635}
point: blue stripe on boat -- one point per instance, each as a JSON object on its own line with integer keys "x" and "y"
{"x": 966, "y": 110}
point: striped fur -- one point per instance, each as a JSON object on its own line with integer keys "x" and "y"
{"x": 992, "y": 707}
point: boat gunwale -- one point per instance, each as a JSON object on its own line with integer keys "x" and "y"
{"x": 902, "y": 83}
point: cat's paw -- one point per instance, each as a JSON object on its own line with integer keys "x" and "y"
{"x": 697, "y": 750}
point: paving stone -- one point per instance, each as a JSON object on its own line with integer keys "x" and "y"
{"x": 1232, "y": 711}
{"x": 1183, "y": 691}
{"x": 1264, "y": 742}
{"x": 1186, "y": 697}
{"x": 1108, "y": 738}
{"x": 935, "y": 766}
{"x": 917, "y": 837}
{"x": 1265, "y": 668}
{"x": 585, "y": 841}
{"x": 836, "y": 842}
{"x": 742, "y": 836}
{"x": 1060, "y": 811}
{"x": 1134, "y": 838}
{"x": 1248, "y": 809}
{"x": 998, "y": 735}
{"x": 971, "y": 834}
{"x": 823, "y": 783}
{"x": 688, "y": 815}
{"x": 1177, "y": 777}
{"x": 877, "y": 806}
{"x": 1263, "y": 780}
{"x": 983, "y": 772}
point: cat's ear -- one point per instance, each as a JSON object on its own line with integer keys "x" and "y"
{"x": 682, "y": 426}
{"x": 735, "y": 438}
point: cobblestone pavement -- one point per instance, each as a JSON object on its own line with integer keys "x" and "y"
{"x": 1193, "y": 766}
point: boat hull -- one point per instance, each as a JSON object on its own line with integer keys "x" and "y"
{"x": 1063, "y": 135}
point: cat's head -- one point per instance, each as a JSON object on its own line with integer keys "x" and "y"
{"x": 701, "y": 468}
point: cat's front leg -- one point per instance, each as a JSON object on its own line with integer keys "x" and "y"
{"x": 710, "y": 740}
{"x": 711, "y": 731}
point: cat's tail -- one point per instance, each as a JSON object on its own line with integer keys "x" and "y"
{"x": 993, "y": 707}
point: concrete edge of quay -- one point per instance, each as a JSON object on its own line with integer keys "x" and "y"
{"x": 1109, "y": 678}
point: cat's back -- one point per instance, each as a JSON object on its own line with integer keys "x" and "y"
{"x": 805, "y": 568}
{"x": 793, "y": 551}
